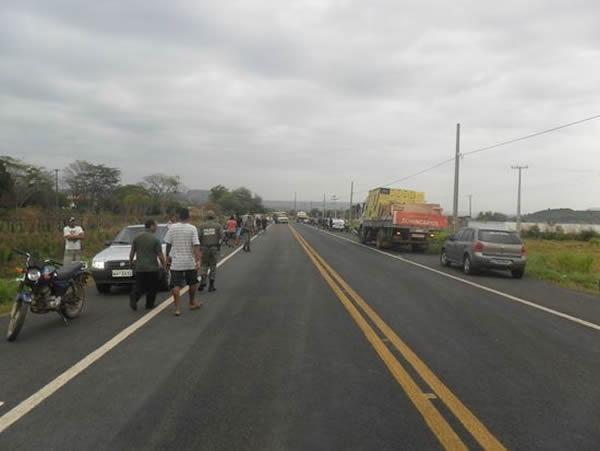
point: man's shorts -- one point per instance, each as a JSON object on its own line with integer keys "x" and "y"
{"x": 182, "y": 278}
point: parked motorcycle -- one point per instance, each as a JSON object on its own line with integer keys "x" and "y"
{"x": 47, "y": 286}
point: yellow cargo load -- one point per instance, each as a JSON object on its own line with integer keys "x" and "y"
{"x": 380, "y": 201}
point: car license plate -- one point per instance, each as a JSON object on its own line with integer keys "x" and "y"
{"x": 501, "y": 262}
{"x": 122, "y": 273}
{"x": 418, "y": 235}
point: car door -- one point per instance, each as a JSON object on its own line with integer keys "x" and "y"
{"x": 466, "y": 243}
{"x": 452, "y": 246}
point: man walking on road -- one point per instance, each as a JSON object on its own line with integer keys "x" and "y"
{"x": 264, "y": 223}
{"x": 209, "y": 233}
{"x": 147, "y": 252}
{"x": 183, "y": 254}
{"x": 248, "y": 230}
{"x": 73, "y": 236}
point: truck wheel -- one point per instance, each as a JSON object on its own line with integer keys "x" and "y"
{"x": 362, "y": 235}
{"x": 381, "y": 241}
{"x": 517, "y": 273}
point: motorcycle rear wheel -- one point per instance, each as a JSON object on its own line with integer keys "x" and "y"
{"x": 17, "y": 319}
{"x": 73, "y": 301}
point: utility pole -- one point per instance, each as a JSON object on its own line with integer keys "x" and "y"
{"x": 324, "y": 205}
{"x": 520, "y": 169}
{"x": 351, "y": 197}
{"x": 334, "y": 198}
{"x": 295, "y": 211}
{"x": 56, "y": 191}
{"x": 470, "y": 196}
{"x": 456, "y": 177}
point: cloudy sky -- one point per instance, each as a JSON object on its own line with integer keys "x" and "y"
{"x": 303, "y": 96}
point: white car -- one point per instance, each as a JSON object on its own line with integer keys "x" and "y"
{"x": 282, "y": 219}
{"x": 338, "y": 224}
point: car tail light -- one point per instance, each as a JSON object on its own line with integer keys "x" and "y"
{"x": 478, "y": 246}
{"x": 523, "y": 250}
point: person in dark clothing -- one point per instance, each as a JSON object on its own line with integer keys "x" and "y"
{"x": 146, "y": 250}
{"x": 264, "y": 223}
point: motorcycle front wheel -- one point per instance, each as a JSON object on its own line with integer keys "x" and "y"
{"x": 17, "y": 319}
{"x": 73, "y": 301}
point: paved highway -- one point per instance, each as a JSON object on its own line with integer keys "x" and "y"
{"x": 314, "y": 342}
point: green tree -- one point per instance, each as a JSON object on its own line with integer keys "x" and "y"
{"x": 91, "y": 185}
{"x": 24, "y": 183}
{"x": 217, "y": 193}
{"x": 163, "y": 188}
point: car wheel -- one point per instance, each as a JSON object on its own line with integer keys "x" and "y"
{"x": 103, "y": 288}
{"x": 467, "y": 265}
{"x": 165, "y": 281}
{"x": 517, "y": 273}
{"x": 444, "y": 259}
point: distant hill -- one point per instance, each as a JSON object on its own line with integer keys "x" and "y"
{"x": 564, "y": 216}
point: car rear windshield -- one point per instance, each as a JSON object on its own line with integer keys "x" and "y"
{"x": 127, "y": 235}
{"x": 499, "y": 237}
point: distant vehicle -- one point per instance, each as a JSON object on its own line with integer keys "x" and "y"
{"x": 302, "y": 217}
{"x": 338, "y": 224}
{"x": 476, "y": 249}
{"x": 398, "y": 216}
{"x": 282, "y": 220}
{"x": 111, "y": 266}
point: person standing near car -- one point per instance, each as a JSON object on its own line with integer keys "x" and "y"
{"x": 183, "y": 256}
{"x": 73, "y": 236}
{"x": 147, "y": 252}
{"x": 209, "y": 233}
{"x": 248, "y": 231}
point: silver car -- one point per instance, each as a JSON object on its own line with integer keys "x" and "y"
{"x": 479, "y": 248}
{"x": 111, "y": 266}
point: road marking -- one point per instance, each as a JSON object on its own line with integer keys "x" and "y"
{"x": 560, "y": 314}
{"x": 1, "y": 403}
{"x": 436, "y": 422}
{"x": 26, "y": 406}
{"x": 430, "y": 395}
{"x": 477, "y": 429}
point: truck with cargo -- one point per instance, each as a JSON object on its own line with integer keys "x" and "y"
{"x": 400, "y": 217}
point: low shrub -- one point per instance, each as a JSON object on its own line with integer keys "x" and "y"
{"x": 568, "y": 262}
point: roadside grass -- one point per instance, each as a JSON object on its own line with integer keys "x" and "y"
{"x": 8, "y": 290}
{"x": 572, "y": 264}
{"x": 49, "y": 245}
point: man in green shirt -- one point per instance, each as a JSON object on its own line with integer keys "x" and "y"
{"x": 148, "y": 250}
{"x": 209, "y": 233}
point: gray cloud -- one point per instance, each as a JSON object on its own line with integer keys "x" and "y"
{"x": 305, "y": 95}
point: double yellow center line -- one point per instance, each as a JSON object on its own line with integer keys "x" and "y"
{"x": 359, "y": 310}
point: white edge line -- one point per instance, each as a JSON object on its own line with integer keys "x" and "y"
{"x": 574, "y": 319}
{"x": 27, "y": 405}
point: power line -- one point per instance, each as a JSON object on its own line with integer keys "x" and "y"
{"x": 483, "y": 149}
{"x": 532, "y": 135}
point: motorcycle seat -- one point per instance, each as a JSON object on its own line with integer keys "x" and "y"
{"x": 69, "y": 271}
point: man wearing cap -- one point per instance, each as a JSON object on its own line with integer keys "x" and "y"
{"x": 209, "y": 233}
{"x": 73, "y": 236}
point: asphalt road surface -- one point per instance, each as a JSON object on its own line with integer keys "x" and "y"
{"x": 313, "y": 341}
